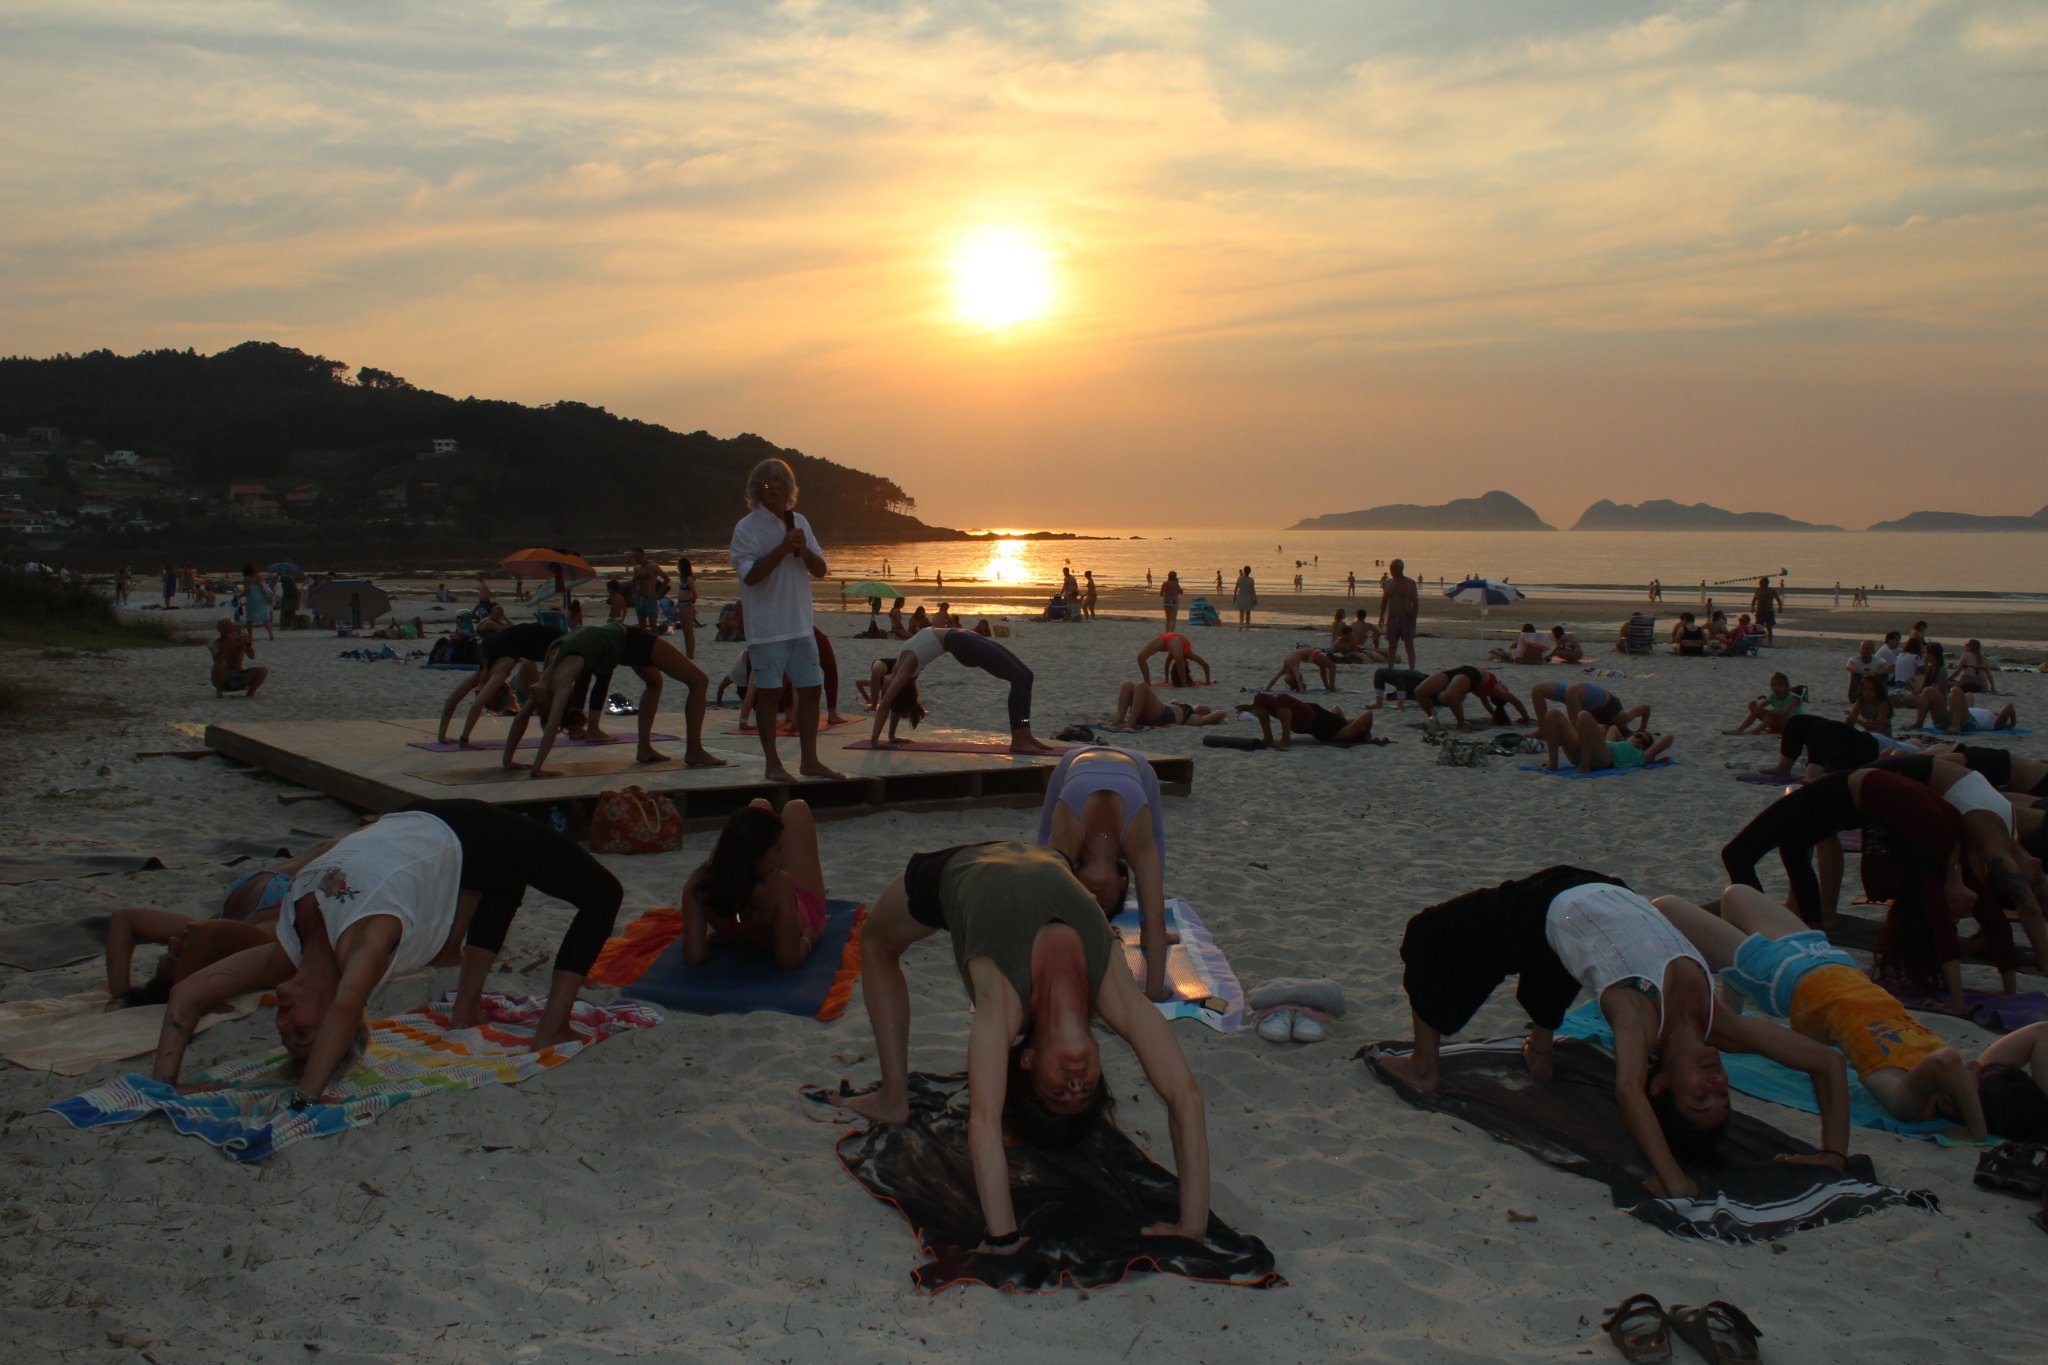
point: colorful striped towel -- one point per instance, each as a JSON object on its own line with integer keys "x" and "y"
{"x": 1204, "y": 986}
{"x": 647, "y": 960}
{"x": 410, "y": 1055}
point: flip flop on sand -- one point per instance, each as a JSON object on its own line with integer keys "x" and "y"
{"x": 1720, "y": 1332}
{"x": 2015, "y": 1167}
{"x": 1639, "y": 1329}
{"x": 820, "y": 1103}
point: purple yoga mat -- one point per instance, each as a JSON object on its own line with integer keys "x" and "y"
{"x": 533, "y": 742}
{"x": 1999, "y": 1013}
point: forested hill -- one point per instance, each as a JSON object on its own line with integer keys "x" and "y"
{"x": 566, "y": 472}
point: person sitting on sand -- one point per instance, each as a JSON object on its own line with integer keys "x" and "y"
{"x": 1179, "y": 652}
{"x": 731, "y": 627}
{"x": 1794, "y": 973}
{"x": 1565, "y": 647}
{"x": 1688, "y": 637}
{"x": 1103, "y": 810}
{"x": 247, "y": 919}
{"x": 1972, "y": 672}
{"x": 762, "y": 889}
{"x": 1593, "y": 747}
{"x": 970, "y": 650}
{"x": 232, "y": 671}
{"x": 597, "y": 651}
{"x": 491, "y": 619}
{"x": 1290, "y": 669}
{"x": 1529, "y": 648}
{"x": 1040, "y": 963}
{"x": 1137, "y": 705}
{"x": 436, "y": 883}
{"x": 1871, "y": 708}
{"x": 897, "y": 629}
{"x": 1394, "y": 685}
{"x": 1452, "y": 686}
{"x": 1770, "y": 711}
{"x": 517, "y": 649}
{"x": 1325, "y": 724}
{"x": 1565, "y": 930}
{"x": 944, "y": 615}
{"x": 1953, "y": 714}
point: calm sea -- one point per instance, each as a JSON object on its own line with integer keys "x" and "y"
{"x": 1990, "y": 569}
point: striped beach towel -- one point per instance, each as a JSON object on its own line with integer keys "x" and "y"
{"x": 411, "y": 1055}
{"x": 1204, "y": 986}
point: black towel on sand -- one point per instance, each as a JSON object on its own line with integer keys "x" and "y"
{"x": 1571, "y": 1123}
{"x": 1079, "y": 1210}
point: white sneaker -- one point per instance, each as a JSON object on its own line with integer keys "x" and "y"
{"x": 1309, "y": 1029}
{"x": 1278, "y": 1026}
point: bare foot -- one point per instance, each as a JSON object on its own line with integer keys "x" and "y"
{"x": 702, "y": 758}
{"x": 568, "y": 1033}
{"x": 819, "y": 770}
{"x": 1031, "y": 746}
{"x": 650, "y": 755}
{"x": 1405, "y": 1070}
{"x": 513, "y": 763}
{"x": 538, "y": 772}
{"x": 778, "y": 773}
{"x": 834, "y": 718}
{"x": 872, "y": 1106}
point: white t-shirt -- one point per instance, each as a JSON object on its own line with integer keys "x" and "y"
{"x": 1904, "y": 669}
{"x": 408, "y": 866}
{"x": 779, "y": 606}
{"x": 1883, "y": 658}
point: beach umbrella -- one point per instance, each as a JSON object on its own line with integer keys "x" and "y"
{"x": 549, "y": 561}
{"x": 353, "y": 599}
{"x": 1484, "y": 592}
{"x": 286, "y": 566}
{"x": 872, "y": 588}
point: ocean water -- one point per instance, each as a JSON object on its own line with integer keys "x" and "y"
{"x": 1988, "y": 569}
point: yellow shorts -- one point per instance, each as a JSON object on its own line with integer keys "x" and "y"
{"x": 1843, "y": 1008}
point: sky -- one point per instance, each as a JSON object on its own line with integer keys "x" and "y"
{"x": 1265, "y": 260}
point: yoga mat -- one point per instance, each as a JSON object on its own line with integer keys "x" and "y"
{"x": 533, "y": 742}
{"x": 1854, "y": 931}
{"x": 648, "y": 963}
{"x": 1571, "y": 1123}
{"x": 1972, "y": 733}
{"x": 453, "y": 668}
{"x": 1576, "y": 775}
{"x": 57, "y": 865}
{"x": 1204, "y": 986}
{"x": 70, "y": 1035}
{"x": 1999, "y": 1013}
{"x": 590, "y": 767}
{"x": 787, "y": 731}
{"x": 1767, "y": 1080}
{"x": 53, "y": 943}
{"x": 410, "y": 1055}
{"x": 957, "y": 746}
{"x": 1080, "y": 1210}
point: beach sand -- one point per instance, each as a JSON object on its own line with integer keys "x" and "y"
{"x": 660, "y": 1197}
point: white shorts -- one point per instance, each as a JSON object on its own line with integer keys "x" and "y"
{"x": 1975, "y": 792}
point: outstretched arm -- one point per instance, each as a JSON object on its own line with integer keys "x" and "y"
{"x": 1207, "y": 677}
{"x": 900, "y": 677}
{"x": 1143, "y": 859}
{"x": 249, "y": 970}
{"x": 1141, "y": 1025}
{"x": 1631, "y": 1097}
{"x": 988, "y": 1077}
{"x": 1823, "y": 1066}
{"x": 369, "y": 957}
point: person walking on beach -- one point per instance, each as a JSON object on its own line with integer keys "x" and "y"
{"x": 775, "y": 556}
{"x": 1765, "y": 603}
{"x": 1400, "y": 604}
{"x": 1169, "y": 597}
{"x": 1088, "y": 596}
{"x": 1244, "y": 597}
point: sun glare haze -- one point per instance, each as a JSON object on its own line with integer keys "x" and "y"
{"x": 1001, "y": 277}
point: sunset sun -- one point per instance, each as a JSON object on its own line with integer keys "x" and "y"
{"x": 1000, "y": 278}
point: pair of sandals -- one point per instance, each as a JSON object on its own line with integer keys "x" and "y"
{"x": 2019, "y": 1168}
{"x": 1641, "y": 1329}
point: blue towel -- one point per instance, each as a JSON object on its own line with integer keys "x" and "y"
{"x": 736, "y": 982}
{"x": 1767, "y": 1080}
{"x": 1599, "y": 772}
{"x": 1972, "y": 733}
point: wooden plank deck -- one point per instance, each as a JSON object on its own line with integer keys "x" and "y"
{"x": 373, "y": 765}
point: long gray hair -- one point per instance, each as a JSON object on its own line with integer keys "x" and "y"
{"x": 762, "y": 472}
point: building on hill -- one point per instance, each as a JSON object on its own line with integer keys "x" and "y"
{"x": 242, "y": 494}
{"x": 122, "y": 459}
{"x": 305, "y": 495}
{"x": 445, "y": 445}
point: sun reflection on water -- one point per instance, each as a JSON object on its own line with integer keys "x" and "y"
{"x": 1006, "y": 563}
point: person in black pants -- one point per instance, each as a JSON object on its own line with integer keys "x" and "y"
{"x": 1830, "y": 745}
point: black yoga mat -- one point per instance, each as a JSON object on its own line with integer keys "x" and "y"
{"x": 1571, "y": 1123}
{"x": 52, "y": 943}
{"x": 1079, "y": 1210}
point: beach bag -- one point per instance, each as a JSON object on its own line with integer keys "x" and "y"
{"x": 1461, "y": 751}
{"x": 635, "y": 820}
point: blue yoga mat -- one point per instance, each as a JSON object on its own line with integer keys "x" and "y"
{"x": 1598, "y": 772}
{"x": 1766, "y": 1080}
{"x": 1972, "y": 733}
{"x": 737, "y": 982}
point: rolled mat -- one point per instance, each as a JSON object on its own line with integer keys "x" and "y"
{"x": 410, "y": 1055}
{"x": 1232, "y": 742}
{"x": 647, "y": 962}
{"x": 1080, "y": 1210}
{"x": 1571, "y": 1123}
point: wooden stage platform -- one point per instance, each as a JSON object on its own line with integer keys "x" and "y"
{"x": 373, "y": 764}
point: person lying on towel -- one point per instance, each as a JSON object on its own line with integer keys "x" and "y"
{"x": 762, "y": 889}
{"x": 1768, "y": 954}
{"x": 430, "y": 885}
{"x": 1564, "y": 930}
{"x": 1104, "y": 812}
{"x": 247, "y": 919}
{"x": 1039, "y": 963}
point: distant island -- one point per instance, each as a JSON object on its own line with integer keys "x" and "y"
{"x": 1492, "y": 511}
{"x": 1662, "y": 514}
{"x": 1964, "y": 521}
